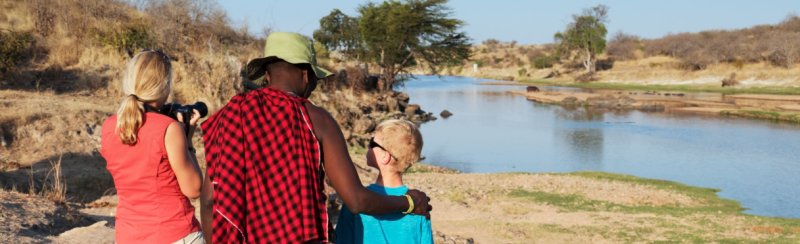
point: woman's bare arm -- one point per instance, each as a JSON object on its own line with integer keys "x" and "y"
{"x": 183, "y": 162}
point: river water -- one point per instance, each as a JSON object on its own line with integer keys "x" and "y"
{"x": 754, "y": 162}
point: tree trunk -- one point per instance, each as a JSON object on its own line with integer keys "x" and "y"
{"x": 588, "y": 62}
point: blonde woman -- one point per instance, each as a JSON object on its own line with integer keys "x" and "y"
{"x": 153, "y": 164}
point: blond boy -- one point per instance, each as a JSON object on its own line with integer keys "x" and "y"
{"x": 394, "y": 147}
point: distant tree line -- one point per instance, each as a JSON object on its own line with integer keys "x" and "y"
{"x": 777, "y": 44}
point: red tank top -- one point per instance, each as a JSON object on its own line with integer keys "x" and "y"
{"x": 152, "y": 208}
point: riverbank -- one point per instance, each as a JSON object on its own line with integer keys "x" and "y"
{"x": 586, "y": 207}
{"x": 764, "y": 106}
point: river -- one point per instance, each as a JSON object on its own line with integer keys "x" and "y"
{"x": 754, "y": 162}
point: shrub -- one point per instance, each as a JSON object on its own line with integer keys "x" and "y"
{"x": 543, "y": 62}
{"x": 738, "y": 64}
{"x": 128, "y": 37}
{"x": 13, "y": 46}
{"x": 479, "y": 62}
{"x": 491, "y": 41}
{"x": 623, "y": 46}
{"x": 586, "y": 77}
{"x": 522, "y": 72}
{"x": 730, "y": 81}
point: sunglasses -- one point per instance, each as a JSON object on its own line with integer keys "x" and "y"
{"x": 373, "y": 144}
{"x": 163, "y": 55}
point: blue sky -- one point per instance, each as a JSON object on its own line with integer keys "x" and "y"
{"x": 534, "y": 22}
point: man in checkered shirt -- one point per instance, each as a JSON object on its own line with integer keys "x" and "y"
{"x": 268, "y": 152}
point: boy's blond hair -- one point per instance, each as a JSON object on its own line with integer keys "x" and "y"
{"x": 403, "y": 140}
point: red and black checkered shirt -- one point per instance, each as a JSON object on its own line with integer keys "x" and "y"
{"x": 264, "y": 161}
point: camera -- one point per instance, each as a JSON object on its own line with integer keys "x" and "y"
{"x": 173, "y": 109}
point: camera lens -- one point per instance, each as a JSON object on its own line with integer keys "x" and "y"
{"x": 200, "y": 107}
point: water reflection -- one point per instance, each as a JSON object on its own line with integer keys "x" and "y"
{"x": 583, "y": 143}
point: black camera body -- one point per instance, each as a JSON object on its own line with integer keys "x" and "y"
{"x": 173, "y": 109}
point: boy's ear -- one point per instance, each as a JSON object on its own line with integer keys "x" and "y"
{"x": 385, "y": 159}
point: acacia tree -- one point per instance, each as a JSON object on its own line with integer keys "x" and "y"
{"x": 339, "y": 32}
{"x": 398, "y": 36}
{"x": 585, "y": 36}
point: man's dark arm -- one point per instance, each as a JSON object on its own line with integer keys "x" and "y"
{"x": 344, "y": 178}
{"x": 206, "y": 208}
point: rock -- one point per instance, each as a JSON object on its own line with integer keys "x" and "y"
{"x": 363, "y": 126}
{"x": 604, "y": 101}
{"x": 439, "y": 237}
{"x": 651, "y": 106}
{"x": 364, "y": 107}
{"x": 532, "y": 89}
{"x": 402, "y": 97}
{"x": 412, "y": 109}
{"x": 570, "y": 101}
{"x": 625, "y": 101}
{"x": 445, "y": 114}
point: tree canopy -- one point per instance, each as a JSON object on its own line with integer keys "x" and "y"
{"x": 585, "y": 36}
{"x": 400, "y": 35}
{"x": 339, "y": 32}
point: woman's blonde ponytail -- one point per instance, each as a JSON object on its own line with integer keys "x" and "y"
{"x": 129, "y": 119}
{"x": 148, "y": 78}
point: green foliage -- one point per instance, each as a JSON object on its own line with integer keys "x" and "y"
{"x": 586, "y": 34}
{"x": 321, "y": 50}
{"x": 398, "y": 35}
{"x": 339, "y": 32}
{"x": 12, "y": 48}
{"x": 543, "y": 62}
{"x": 479, "y": 62}
{"x": 483, "y": 50}
{"x": 130, "y": 36}
{"x": 522, "y": 72}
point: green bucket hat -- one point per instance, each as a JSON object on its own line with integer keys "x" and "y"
{"x": 290, "y": 47}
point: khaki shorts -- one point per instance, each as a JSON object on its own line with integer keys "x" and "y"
{"x": 192, "y": 238}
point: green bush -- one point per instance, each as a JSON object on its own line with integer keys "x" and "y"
{"x": 12, "y": 48}
{"x": 130, "y": 36}
{"x": 522, "y": 72}
{"x": 479, "y": 62}
{"x": 544, "y": 61}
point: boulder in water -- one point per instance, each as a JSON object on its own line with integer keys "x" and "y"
{"x": 445, "y": 114}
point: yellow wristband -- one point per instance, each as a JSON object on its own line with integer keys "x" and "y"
{"x": 410, "y": 205}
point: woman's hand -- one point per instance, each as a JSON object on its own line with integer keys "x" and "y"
{"x": 192, "y": 123}
{"x": 421, "y": 200}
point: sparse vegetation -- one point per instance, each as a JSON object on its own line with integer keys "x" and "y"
{"x": 14, "y": 48}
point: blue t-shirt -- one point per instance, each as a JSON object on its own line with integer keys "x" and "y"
{"x": 389, "y": 228}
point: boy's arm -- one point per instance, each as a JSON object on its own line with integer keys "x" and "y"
{"x": 345, "y": 226}
{"x": 426, "y": 236}
{"x": 339, "y": 168}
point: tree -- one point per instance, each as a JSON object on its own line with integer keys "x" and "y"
{"x": 339, "y": 32}
{"x": 586, "y": 35}
{"x": 398, "y": 36}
